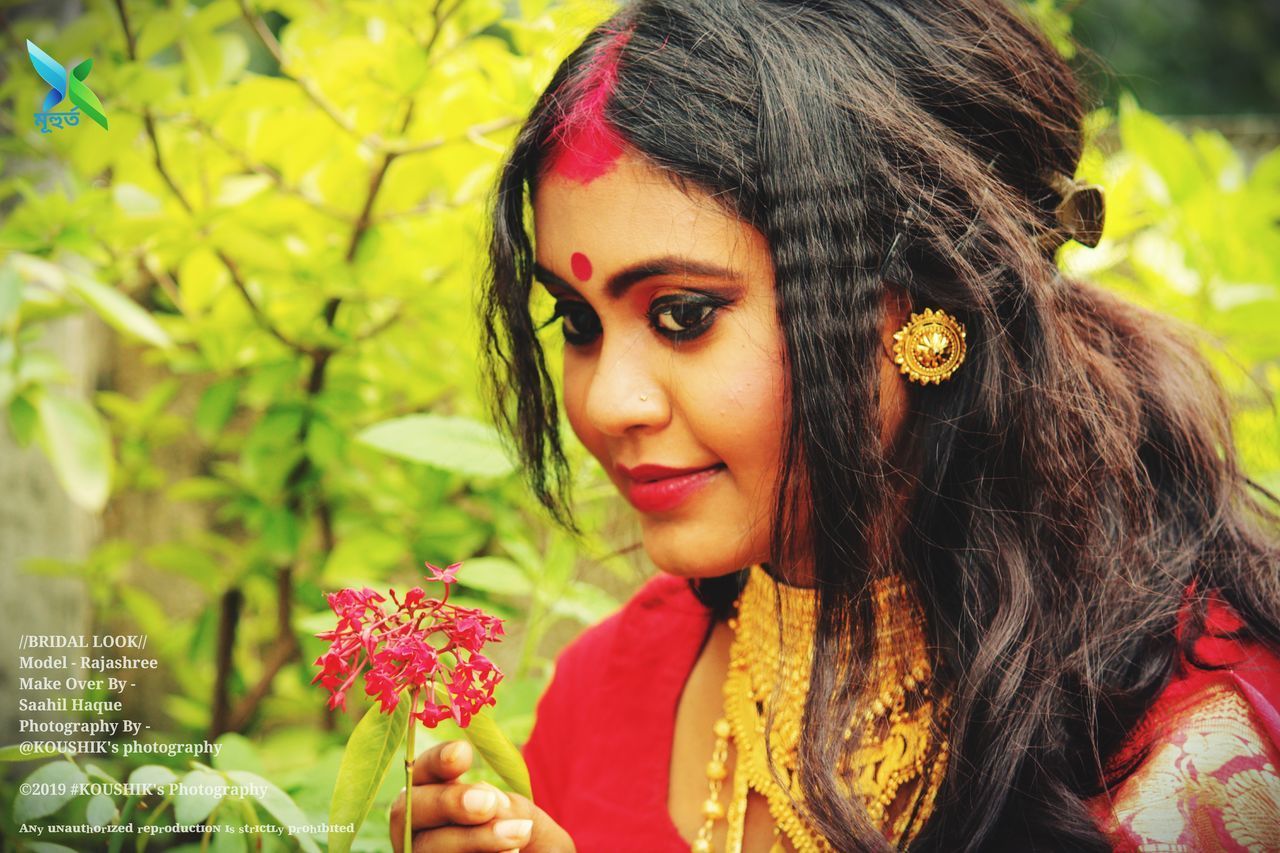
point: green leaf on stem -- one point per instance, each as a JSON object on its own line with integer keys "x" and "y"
{"x": 23, "y": 420}
{"x": 61, "y": 777}
{"x": 217, "y": 405}
{"x": 280, "y": 806}
{"x": 152, "y": 774}
{"x": 119, "y": 310}
{"x": 14, "y": 752}
{"x": 373, "y": 745}
{"x": 101, "y": 810}
{"x": 10, "y": 293}
{"x": 76, "y": 442}
{"x": 200, "y": 794}
{"x": 456, "y": 444}
{"x": 495, "y": 747}
{"x": 496, "y": 575}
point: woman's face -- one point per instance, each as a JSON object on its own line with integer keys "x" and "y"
{"x": 674, "y": 374}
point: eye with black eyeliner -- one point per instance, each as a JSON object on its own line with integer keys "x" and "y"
{"x": 677, "y": 318}
{"x": 581, "y": 326}
{"x": 683, "y": 318}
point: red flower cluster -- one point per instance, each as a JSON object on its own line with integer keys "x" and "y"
{"x": 409, "y": 648}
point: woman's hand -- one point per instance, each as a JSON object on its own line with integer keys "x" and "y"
{"x": 453, "y": 817}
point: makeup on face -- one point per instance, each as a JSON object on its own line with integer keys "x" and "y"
{"x": 581, "y": 266}
{"x": 672, "y": 365}
{"x": 586, "y": 144}
{"x": 653, "y": 488}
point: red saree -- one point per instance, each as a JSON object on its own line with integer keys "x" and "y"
{"x": 600, "y": 751}
{"x": 1210, "y": 780}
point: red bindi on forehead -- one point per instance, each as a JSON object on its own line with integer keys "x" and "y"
{"x": 581, "y": 266}
{"x": 586, "y": 144}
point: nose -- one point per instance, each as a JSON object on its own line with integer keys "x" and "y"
{"x": 625, "y": 393}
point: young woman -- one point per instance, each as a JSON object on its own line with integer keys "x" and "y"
{"x": 955, "y": 552}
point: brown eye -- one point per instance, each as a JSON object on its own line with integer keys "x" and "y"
{"x": 683, "y": 318}
{"x": 581, "y": 325}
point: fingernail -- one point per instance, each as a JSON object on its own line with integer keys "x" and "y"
{"x": 514, "y": 831}
{"x": 501, "y": 794}
{"x": 452, "y": 752}
{"x": 478, "y": 800}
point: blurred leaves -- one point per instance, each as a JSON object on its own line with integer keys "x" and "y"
{"x": 368, "y": 756}
{"x": 51, "y": 787}
{"x": 454, "y": 444}
{"x": 74, "y": 438}
{"x": 493, "y": 745}
{"x": 283, "y": 228}
{"x": 1194, "y": 231}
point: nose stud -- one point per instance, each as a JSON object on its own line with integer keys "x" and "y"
{"x": 644, "y": 397}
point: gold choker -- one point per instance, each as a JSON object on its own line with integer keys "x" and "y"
{"x": 899, "y": 745}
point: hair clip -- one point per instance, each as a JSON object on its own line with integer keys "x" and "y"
{"x": 1082, "y": 210}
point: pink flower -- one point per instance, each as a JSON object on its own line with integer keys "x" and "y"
{"x": 378, "y": 683}
{"x": 333, "y": 668}
{"x": 468, "y": 631}
{"x": 431, "y": 713}
{"x": 395, "y": 653}
{"x": 445, "y": 575}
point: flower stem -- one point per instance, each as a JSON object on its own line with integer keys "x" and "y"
{"x": 408, "y": 774}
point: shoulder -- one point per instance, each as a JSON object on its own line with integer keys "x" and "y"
{"x": 602, "y": 676}
{"x": 658, "y": 618}
{"x": 1210, "y": 778}
{"x": 660, "y": 603}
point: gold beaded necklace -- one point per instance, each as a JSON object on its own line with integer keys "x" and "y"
{"x": 899, "y": 745}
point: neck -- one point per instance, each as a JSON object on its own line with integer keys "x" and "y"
{"x": 898, "y": 626}
{"x": 800, "y": 571}
{"x": 796, "y": 579}
{"x": 894, "y": 766}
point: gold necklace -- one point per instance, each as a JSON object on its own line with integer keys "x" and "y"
{"x": 898, "y": 742}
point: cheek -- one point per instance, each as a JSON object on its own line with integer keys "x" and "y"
{"x": 575, "y": 377}
{"x": 745, "y": 418}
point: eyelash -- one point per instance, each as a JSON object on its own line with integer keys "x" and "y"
{"x": 660, "y": 308}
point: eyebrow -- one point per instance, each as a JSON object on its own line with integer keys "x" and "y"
{"x": 620, "y": 282}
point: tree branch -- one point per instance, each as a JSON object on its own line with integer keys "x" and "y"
{"x": 228, "y": 620}
{"x": 282, "y": 652}
{"x": 9, "y": 34}
{"x": 309, "y": 88}
{"x": 299, "y": 484}
{"x": 373, "y": 141}
{"x": 378, "y": 328}
{"x": 471, "y": 134}
{"x": 286, "y": 645}
{"x": 319, "y": 204}
{"x": 149, "y": 122}
{"x": 261, "y": 318}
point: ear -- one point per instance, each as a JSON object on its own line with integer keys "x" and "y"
{"x": 897, "y": 311}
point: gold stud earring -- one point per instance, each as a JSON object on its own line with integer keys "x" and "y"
{"x": 929, "y": 347}
{"x": 644, "y": 397}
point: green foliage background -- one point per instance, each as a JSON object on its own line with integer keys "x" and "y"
{"x": 283, "y": 225}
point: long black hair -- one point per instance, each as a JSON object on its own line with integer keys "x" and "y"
{"x": 1074, "y": 486}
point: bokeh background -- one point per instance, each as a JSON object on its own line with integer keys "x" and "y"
{"x": 238, "y": 348}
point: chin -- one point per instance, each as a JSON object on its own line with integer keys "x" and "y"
{"x": 695, "y": 556}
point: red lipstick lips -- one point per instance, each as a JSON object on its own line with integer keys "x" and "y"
{"x": 656, "y": 488}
